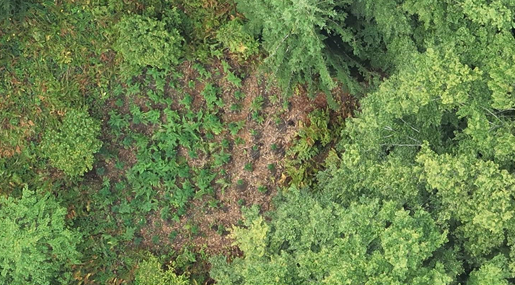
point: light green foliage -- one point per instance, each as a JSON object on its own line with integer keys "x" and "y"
{"x": 237, "y": 40}
{"x": 145, "y": 41}
{"x": 36, "y": 246}
{"x": 463, "y": 184}
{"x": 493, "y": 271}
{"x": 71, "y": 145}
{"x": 438, "y": 133}
{"x": 150, "y": 272}
{"x": 312, "y": 239}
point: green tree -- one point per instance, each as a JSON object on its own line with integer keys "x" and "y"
{"x": 312, "y": 239}
{"x": 434, "y": 141}
{"x": 305, "y": 39}
{"x": 438, "y": 132}
{"x": 36, "y": 246}
{"x": 71, "y": 146}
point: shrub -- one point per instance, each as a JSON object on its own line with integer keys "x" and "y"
{"x": 150, "y": 272}
{"x": 71, "y": 146}
{"x": 35, "y": 244}
{"x": 145, "y": 41}
{"x": 239, "y": 42}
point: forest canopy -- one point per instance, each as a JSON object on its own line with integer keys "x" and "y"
{"x": 257, "y": 142}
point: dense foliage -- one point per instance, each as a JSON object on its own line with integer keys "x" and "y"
{"x": 233, "y": 36}
{"x": 146, "y": 41}
{"x": 36, "y": 245}
{"x": 150, "y": 273}
{"x": 147, "y": 130}
{"x": 313, "y": 239}
{"x": 436, "y": 138}
{"x": 71, "y": 146}
{"x": 294, "y": 34}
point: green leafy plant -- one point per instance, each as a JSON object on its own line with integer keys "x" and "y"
{"x": 248, "y": 167}
{"x": 220, "y": 229}
{"x": 257, "y": 117}
{"x": 118, "y": 121}
{"x": 235, "y": 127}
{"x": 145, "y": 41}
{"x": 150, "y": 272}
{"x": 187, "y": 101}
{"x": 233, "y": 79}
{"x": 262, "y": 189}
{"x": 70, "y": 146}
{"x": 203, "y": 181}
{"x": 210, "y": 94}
{"x": 311, "y": 141}
{"x": 223, "y": 183}
{"x": 238, "y": 95}
{"x": 233, "y": 36}
{"x": 235, "y": 107}
{"x": 239, "y": 141}
{"x": 34, "y": 228}
{"x": 202, "y": 71}
{"x": 212, "y": 123}
{"x": 257, "y": 104}
{"x": 221, "y": 158}
{"x": 16, "y": 9}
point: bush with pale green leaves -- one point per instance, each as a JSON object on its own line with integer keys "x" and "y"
{"x": 233, "y": 36}
{"x": 71, "y": 145}
{"x": 150, "y": 272}
{"x": 36, "y": 245}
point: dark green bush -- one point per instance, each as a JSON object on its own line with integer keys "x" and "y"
{"x": 145, "y": 41}
{"x": 295, "y": 36}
